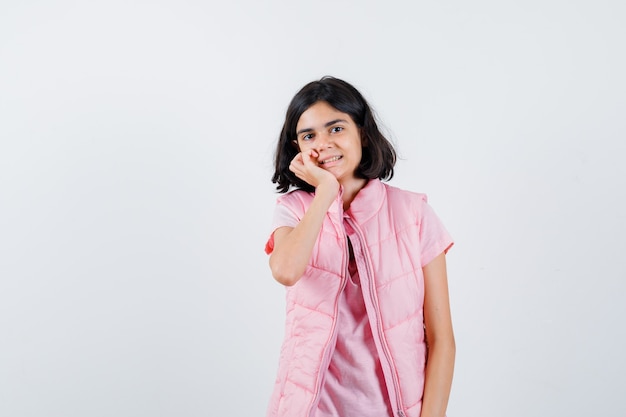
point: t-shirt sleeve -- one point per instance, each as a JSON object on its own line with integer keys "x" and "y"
{"x": 434, "y": 237}
{"x": 283, "y": 216}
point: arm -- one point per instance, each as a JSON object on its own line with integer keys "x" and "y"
{"x": 293, "y": 246}
{"x": 440, "y": 338}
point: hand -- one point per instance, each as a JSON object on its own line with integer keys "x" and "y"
{"x": 305, "y": 166}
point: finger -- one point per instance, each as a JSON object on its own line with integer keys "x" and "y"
{"x": 297, "y": 167}
{"x": 298, "y": 157}
{"x": 299, "y": 173}
{"x": 293, "y": 167}
{"x": 310, "y": 158}
{"x": 297, "y": 160}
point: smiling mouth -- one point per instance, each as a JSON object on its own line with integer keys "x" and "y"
{"x": 329, "y": 160}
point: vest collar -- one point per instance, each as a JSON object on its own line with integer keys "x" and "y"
{"x": 366, "y": 203}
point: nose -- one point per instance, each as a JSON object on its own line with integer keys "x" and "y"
{"x": 324, "y": 141}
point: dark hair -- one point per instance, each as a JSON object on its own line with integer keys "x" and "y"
{"x": 378, "y": 155}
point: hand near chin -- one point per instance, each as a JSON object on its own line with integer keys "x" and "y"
{"x": 305, "y": 166}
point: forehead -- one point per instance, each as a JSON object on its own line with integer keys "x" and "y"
{"x": 320, "y": 113}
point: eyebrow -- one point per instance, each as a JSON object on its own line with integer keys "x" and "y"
{"x": 310, "y": 129}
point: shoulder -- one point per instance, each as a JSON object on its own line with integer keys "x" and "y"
{"x": 414, "y": 205}
{"x": 399, "y": 196}
{"x": 296, "y": 200}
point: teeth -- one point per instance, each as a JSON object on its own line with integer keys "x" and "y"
{"x": 333, "y": 159}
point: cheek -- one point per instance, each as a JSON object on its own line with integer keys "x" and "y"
{"x": 360, "y": 156}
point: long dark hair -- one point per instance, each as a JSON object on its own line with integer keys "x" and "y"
{"x": 378, "y": 155}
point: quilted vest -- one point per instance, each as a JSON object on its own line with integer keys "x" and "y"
{"x": 387, "y": 222}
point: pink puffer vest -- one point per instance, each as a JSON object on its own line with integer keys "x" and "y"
{"x": 388, "y": 222}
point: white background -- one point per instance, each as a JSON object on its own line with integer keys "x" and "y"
{"x": 135, "y": 195}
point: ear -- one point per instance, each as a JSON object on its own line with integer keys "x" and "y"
{"x": 364, "y": 141}
{"x": 295, "y": 144}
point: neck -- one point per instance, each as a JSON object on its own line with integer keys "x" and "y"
{"x": 350, "y": 190}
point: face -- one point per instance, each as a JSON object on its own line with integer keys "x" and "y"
{"x": 334, "y": 136}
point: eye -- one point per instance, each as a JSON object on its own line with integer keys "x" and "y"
{"x": 307, "y": 137}
{"x": 336, "y": 129}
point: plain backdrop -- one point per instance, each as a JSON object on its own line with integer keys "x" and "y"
{"x": 136, "y": 144}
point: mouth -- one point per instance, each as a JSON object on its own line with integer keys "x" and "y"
{"x": 329, "y": 160}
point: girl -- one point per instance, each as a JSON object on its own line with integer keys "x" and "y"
{"x": 368, "y": 330}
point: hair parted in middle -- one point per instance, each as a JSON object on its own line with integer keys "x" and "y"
{"x": 378, "y": 155}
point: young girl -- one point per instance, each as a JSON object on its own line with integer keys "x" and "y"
{"x": 368, "y": 330}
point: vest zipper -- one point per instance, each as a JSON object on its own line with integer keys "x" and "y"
{"x": 333, "y": 335}
{"x": 378, "y": 324}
